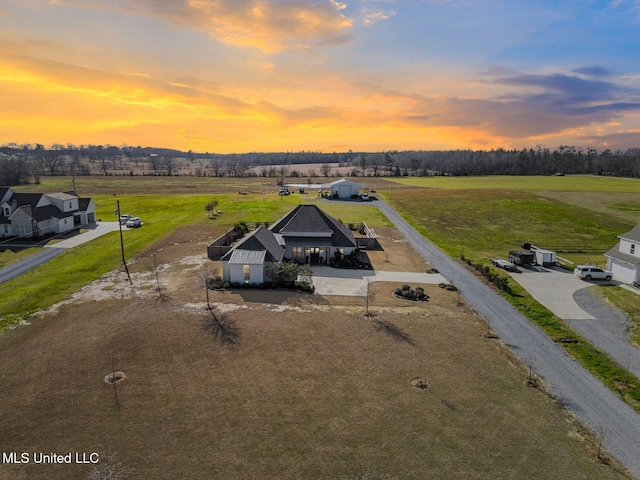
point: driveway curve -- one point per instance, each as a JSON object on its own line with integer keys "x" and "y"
{"x": 610, "y": 332}
{"x": 581, "y": 393}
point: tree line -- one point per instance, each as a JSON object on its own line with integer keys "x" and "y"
{"x": 26, "y": 163}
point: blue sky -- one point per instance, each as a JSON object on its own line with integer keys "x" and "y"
{"x": 324, "y": 75}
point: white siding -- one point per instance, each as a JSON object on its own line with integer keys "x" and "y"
{"x": 626, "y": 247}
{"x": 622, "y": 271}
{"x": 235, "y": 273}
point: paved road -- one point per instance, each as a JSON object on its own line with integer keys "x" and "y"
{"x": 593, "y": 403}
{"x": 32, "y": 261}
{"x": 49, "y": 252}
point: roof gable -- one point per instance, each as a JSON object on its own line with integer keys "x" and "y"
{"x": 260, "y": 240}
{"x": 632, "y": 235}
{"x": 310, "y": 220}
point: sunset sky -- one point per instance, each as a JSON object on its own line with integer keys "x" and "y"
{"x": 323, "y": 75}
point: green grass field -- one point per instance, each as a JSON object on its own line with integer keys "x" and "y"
{"x": 488, "y": 223}
{"x": 569, "y": 183}
{"x": 161, "y": 214}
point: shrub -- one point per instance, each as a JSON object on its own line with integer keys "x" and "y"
{"x": 398, "y": 291}
{"x": 226, "y": 285}
{"x": 406, "y": 287}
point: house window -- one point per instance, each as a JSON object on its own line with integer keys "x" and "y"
{"x": 633, "y": 248}
{"x": 246, "y": 270}
{"x": 6, "y": 229}
{"x": 22, "y": 229}
{"x": 297, "y": 254}
{"x": 7, "y": 211}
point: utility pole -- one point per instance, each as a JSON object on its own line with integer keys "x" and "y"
{"x": 122, "y": 245}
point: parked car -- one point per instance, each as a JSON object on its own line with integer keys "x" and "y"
{"x": 365, "y": 197}
{"x": 125, "y": 218}
{"x": 587, "y": 272}
{"x": 133, "y": 222}
{"x": 283, "y": 191}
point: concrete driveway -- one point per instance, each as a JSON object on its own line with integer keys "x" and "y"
{"x": 92, "y": 232}
{"x": 352, "y": 283}
{"x": 554, "y": 288}
{"x": 49, "y": 252}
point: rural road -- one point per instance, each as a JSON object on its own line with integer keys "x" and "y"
{"x": 582, "y": 394}
{"x": 32, "y": 261}
{"x": 49, "y": 252}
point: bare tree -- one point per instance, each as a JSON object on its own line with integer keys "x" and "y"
{"x": 155, "y": 162}
{"x": 53, "y": 162}
{"x": 171, "y": 164}
{"x": 156, "y": 272}
{"x": 325, "y": 169}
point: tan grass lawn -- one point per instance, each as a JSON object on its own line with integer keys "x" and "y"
{"x": 312, "y": 390}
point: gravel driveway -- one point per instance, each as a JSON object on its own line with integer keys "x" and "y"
{"x": 610, "y": 332}
{"x": 593, "y": 403}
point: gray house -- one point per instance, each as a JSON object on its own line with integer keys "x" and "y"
{"x": 304, "y": 235}
{"x": 623, "y": 260}
{"x": 28, "y": 215}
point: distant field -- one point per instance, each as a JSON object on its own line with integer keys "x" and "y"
{"x": 484, "y": 217}
{"x": 569, "y": 183}
{"x": 485, "y": 223}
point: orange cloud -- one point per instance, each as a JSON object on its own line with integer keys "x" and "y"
{"x": 265, "y": 25}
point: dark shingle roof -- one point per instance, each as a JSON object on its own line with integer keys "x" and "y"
{"x": 26, "y": 199}
{"x": 310, "y": 219}
{"x": 259, "y": 240}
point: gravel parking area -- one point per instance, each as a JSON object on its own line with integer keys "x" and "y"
{"x": 609, "y": 331}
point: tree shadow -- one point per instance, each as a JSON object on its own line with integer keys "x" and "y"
{"x": 222, "y": 328}
{"x": 393, "y": 331}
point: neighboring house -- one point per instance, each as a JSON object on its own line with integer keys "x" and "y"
{"x": 623, "y": 260}
{"x": 28, "y": 215}
{"x": 304, "y": 235}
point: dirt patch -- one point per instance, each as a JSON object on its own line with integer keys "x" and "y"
{"x": 311, "y": 389}
{"x": 397, "y": 254}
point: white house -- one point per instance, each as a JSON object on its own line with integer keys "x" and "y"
{"x": 304, "y": 235}
{"x": 623, "y": 260}
{"x": 30, "y": 215}
{"x": 247, "y": 261}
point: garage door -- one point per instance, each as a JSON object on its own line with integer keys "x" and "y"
{"x": 623, "y": 271}
{"x": 344, "y": 191}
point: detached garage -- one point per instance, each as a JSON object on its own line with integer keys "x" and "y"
{"x": 623, "y": 260}
{"x": 344, "y": 188}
